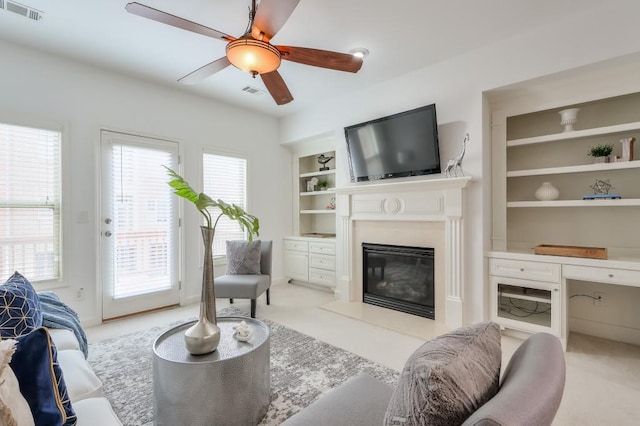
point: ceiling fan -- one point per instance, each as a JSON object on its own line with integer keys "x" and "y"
{"x": 253, "y": 52}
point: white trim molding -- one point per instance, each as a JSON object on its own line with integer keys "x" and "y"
{"x": 435, "y": 200}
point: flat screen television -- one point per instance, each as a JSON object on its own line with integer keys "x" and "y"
{"x": 403, "y": 144}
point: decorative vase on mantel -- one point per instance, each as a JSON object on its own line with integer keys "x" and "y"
{"x": 204, "y": 336}
{"x": 547, "y": 192}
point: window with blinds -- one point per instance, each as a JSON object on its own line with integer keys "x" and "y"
{"x": 225, "y": 178}
{"x": 30, "y": 202}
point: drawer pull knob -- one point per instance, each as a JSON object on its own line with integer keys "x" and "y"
{"x": 610, "y": 275}
{"x": 521, "y": 269}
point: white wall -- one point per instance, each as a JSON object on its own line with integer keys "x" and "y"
{"x": 457, "y": 86}
{"x": 38, "y": 86}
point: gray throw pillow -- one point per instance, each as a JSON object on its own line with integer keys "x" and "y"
{"x": 448, "y": 378}
{"x": 243, "y": 257}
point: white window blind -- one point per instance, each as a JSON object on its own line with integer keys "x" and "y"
{"x": 225, "y": 178}
{"x": 142, "y": 218}
{"x": 30, "y": 202}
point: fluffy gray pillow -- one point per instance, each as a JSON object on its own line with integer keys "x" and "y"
{"x": 448, "y": 378}
{"x": 243, "y": 257}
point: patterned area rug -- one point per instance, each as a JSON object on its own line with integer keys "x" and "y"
{"x": 302, "y": 368}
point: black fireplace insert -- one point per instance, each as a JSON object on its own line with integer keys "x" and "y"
{"x": 399, "y": 278}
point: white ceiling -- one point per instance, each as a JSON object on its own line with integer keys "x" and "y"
{"x": 402, "y": 35}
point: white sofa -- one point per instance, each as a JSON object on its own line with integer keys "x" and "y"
{"x": 83, "y": 386}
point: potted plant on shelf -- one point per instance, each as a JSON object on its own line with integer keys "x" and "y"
{"x": 323, "y": 184}
{"x": 203, "y": 337}
{"x": 601, "y": 153}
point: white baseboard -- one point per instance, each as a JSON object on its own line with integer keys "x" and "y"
{"x": 606, "y": 331}
{"x": 90, "y": 322}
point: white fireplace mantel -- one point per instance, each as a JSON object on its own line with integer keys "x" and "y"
{"x": 435, "y": 200}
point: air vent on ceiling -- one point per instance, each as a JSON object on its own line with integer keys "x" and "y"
{"x": 253, "y": 90}
{"x": 21, "y": 9}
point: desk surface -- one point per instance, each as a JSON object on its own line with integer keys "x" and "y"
{"x": 619, "y": 259}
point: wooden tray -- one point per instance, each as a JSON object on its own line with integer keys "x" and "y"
{"x": 571, "y": 251}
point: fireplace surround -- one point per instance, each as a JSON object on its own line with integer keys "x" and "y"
{"x": 399, "y": 278}
{"x": 413, "y": 203}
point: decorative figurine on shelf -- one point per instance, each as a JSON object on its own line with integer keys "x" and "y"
{"x": 452, "y": 166}
{"x": 601, "y": 191}
{"x": 242, "y": 332}
{"x": 332, "y": 204}
{"x": 311, "y": 184}
{"x": 323, "y": 159}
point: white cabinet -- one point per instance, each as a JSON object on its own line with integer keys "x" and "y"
{"x": 526, "y": 296}
{"x": 531, "y": 292}
{"x": 296, "y": 264}
{"x": 310, "y": 261}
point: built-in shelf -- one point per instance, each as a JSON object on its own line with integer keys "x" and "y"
{"x": 327, "y": 191}
{"x": 539, "y": 299}
{"x": 318, "y": 173}
{"x": 326, "y": 211}
{"x": 577, "y": 134}
{"x": 628, "y": 202}
{"x": 597, "y": 167}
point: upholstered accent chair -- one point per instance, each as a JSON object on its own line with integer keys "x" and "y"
{"x": 246, "y": 286}
{"x": 456, "y": 363}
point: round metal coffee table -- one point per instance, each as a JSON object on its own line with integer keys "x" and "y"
{"x": 229, "y": 386}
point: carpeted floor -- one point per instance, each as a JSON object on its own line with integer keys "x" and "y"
{"x": 302, "y": 368}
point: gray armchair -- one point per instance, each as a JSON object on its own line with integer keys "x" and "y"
{"x": 248, "y": 286}
{"x": 530, "y": 393}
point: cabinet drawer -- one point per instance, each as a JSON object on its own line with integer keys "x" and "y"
{"x": 296, "y": 245}
{"x": 322, "y": 248}
{"x": 604, "y": 275}
{"x": 540, "y": 271}
{"x": 322, "y": 277}
{"x": 322, "y": 261}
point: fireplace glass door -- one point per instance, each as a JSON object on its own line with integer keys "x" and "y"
{"x": 399, "y": 278}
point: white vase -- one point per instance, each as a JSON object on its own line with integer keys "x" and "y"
{"x": 627, "y": 148}
{"x": 547, "y": 192}
{"x": 569, "y": 118}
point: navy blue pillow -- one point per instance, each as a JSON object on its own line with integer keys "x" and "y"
{"x": 35, "y": 364}
{"x": 20, "y": 311}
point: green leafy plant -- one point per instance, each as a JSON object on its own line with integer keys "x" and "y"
{"x": 323, "y": 184}
{"x": 601, "y": 150}
{"x": 202, "y": 201}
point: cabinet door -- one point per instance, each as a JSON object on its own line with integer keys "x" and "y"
{"x": 322, "y": 277}
{"x": 296, "y": 265}
{"x": 525, "y": 305}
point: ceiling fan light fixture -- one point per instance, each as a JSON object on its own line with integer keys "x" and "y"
{"x": 359, "y": 52}
{"x": 254, "y": 56}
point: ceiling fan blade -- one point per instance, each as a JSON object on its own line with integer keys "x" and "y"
{"x": 205, "y": 71}
{"x": 270, "y": 17}
{"x": 175, "y": 21}
{"x": 277, "y": 87}
{"x": 321, "y": 58}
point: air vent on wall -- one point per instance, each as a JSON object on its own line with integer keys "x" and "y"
{"x": 21, "y": 9}
{"x": 253, "y": 90}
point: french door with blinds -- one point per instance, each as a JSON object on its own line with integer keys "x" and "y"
{"x": 139, "y": 225}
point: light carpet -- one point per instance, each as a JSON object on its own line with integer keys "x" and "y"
{"x": 302, "y": 369}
